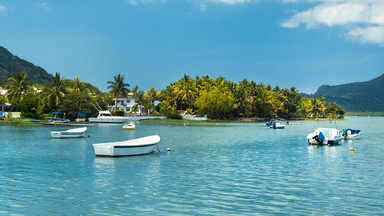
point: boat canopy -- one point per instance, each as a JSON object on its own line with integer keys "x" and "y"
{"x": 321, "y": 137}
{"x": 350, "y": 131}
{"x": 327, "y": 131}
{"x": 81, "y": 114}
{"x": 56, "y": 112}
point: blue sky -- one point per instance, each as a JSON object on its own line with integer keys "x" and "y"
{"x": 301, "y": 43}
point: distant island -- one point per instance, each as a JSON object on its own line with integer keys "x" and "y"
{"x": 367, "y": 97}
{"x": 11, "y": 64}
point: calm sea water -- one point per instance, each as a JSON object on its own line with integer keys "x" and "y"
{"x": 212, "y": 169}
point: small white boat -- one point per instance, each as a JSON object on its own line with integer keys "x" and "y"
{"x": 324, "y": 136}
{"x": 72, "y": 133}
{"x": 140, "y": 146}
{"x": 197, "y": 117}
{"x": 277, "y": 125}
{"x": 129, "y": 126}
{"x": 351, "y": 134}
{"x": 57, "y": 119}
{"x": 81, "y": 117}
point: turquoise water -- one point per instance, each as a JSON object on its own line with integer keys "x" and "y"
{"x": 212, "y": 169}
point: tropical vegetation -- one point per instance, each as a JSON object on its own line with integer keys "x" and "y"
{"x": 217, "y": 98}
{"x": 222, "y": 99}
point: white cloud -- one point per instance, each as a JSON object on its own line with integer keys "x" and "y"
{"x": 43, "y": 6}
{"x": 230, "y": 1}
{"x": 137, "y": 2}
{"x": 373, "y": 34}
{"x": 3, "y": 9}
{"x": 363, "y": 20}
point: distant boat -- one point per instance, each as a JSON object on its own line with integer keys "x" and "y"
{"x": 81, "y": 117}
{"x": 130, "y": 126}
{"x": 140, "y": 146}
{"x": 198, "y": 117}
{"x": 72, "y": 133}
{"x": 324, "y": 136}
{"x": 57, "y": 119}
{"x": 350, "y": 134}
{"x": 277, "y": 125}
{"x": 106, "y": 117}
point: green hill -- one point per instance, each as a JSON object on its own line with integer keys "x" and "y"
{"x": 356, "y": 97}
{"x": 10, "y": 65}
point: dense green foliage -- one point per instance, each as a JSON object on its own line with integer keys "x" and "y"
{"x": 10, "y": 65}
{"x": 222, "y": 99}
{"x": 356, "y": 97}
{"x": 68, "y": 96}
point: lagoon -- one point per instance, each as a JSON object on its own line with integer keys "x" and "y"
{"x": 212, "y": 169}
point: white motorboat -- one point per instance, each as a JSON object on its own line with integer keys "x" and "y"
{"x": 351, "y": 134}
{"x": 72, "y": 133}
{"x": 324, "y": 136}
{"x": 106, "y": 117}
{"x": 277, "y": 125}
{"x": 130, "y": 126}
{"x": 81, "y": 117}
{"x": 140, "y": 146}
{"x": 194, "y": 117}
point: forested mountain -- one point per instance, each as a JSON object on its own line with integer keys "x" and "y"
{"x": 10, "y": 65}
{"x": 356, "y": 97}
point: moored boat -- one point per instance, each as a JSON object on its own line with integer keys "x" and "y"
{"x": 81, "y": 117}
{"x": 57, "y": 119}
{"x": 351, "y": 134}
{"x": 106, "y": 117}
{"x": 277, "y": 125}
{"x": 72, "y": 133}
{"x": 324, "y": 136}
{"x": 130, "y": 126}
{"x": 140, "y": 146}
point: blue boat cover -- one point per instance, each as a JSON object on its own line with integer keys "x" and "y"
{"x": 345, "y": 131}
{"x": 56, "y": 112}
{"x": 321, "y": 137}
{"x": 81, "y": 114}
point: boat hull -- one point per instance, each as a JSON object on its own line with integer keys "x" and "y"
{"x": 62, "y": 134}
{"x": 334, "y": 141}
{"x": 120, "y": 120}
{"x": 73, "y": 133}
{"x": 108, "y": 120}
{"x": 352, "y": 136}
{"x": 139, "y": 146}
{"x": 129, "y": 127}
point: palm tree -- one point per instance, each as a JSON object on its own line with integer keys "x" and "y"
{"x": 53, "y": 92}
{"x": 185, "y": 91}
{"x": 151, "y": 96}
{"x": 118, "y": 87}
{"x": 140, "y": 100}
{"x": 17, "y": 86}
{"x": 77, "y": 85}
{"x": 316, "y": 106}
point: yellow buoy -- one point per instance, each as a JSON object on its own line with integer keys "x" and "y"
{"x": 352, "y": 149}
{"x": 168, "y": 149}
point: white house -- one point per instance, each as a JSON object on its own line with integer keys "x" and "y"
{"x": 127, "y": 103}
